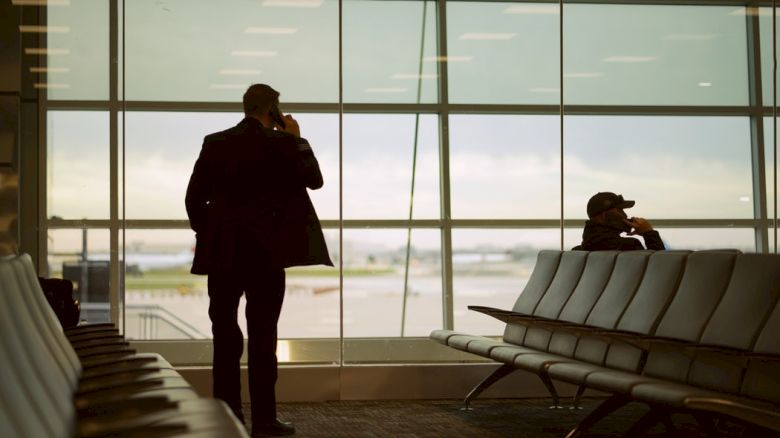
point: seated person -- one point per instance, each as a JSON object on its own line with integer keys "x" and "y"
{"x": 607, "y": 222}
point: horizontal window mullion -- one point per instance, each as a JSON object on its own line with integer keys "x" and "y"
{"x": 416, "y": 223}
{"x": 618, "y": 110}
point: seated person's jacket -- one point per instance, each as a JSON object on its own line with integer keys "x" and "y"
{"x": 599, "y": 237}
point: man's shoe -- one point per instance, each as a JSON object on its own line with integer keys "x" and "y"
{"x": 272, "y": 428}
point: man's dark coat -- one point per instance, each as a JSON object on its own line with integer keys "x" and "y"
{"x": 247, "y": 196}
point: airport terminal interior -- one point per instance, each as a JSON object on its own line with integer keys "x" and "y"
{"x": 459, "y": 143}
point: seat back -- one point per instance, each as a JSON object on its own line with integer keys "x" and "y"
{"x": 544, "y": 270}
{"x": 629, "y": 270}
{"x": 566, "y": 279}
{"x": 748, "y": 301}
{"x": 704, "y": 283}
{"x": 762, "y": 376}
{"x": 599, "y": 267}
{"x": 662, "y": 277}
{"x": 34, "y": 385}
{"x": 49, "y": 326}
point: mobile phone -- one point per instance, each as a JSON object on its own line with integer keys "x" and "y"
{"x": 276, "y": 115}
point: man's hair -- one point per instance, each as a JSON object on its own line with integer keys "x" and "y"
{"x": 259, "y": 98}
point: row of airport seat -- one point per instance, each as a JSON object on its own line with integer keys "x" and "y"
{"x": 86, "y": 381}
{"x": 691, "y": 332}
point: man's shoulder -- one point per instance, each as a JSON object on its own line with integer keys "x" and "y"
{"x": 216, "y": 137}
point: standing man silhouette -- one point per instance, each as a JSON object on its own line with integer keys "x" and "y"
{"x": 248, "y": 205}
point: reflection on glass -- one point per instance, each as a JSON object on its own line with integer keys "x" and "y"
{"x": 374, "y": 276}
{"x": 673, "y": 167}
{"x": 378, "y": 153}
{"x": 505, "y": 166}
{"x": 77, "y": 173}
{"x": 490, "y": 268}
{"x": 161, "y": 149}
{"x": 398, "y": 71}
{"x": 194, "y": 50}
{"x": 82, "y": 256}
{"x": 77, "y": 39}
{"x": 655, "y": 55}
{"x": 502, "y": 52}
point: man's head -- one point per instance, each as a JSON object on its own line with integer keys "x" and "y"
{"x": 607, "y": 208}
{"x": 259, "y": 99}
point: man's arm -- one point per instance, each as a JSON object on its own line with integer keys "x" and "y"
{"x": 653, "y": 240}
{"x": 307, "y": 168}
{"x": 642, "y": 227}
{"x": 197, "y": 198}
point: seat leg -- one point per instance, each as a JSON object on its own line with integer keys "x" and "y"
{"x": 497, "y": 375}
{"x": 607, "y": 407}
{"x": 707, "y": 424}
{"x": 551, "y": 389}
{"x": 575, "y": 404}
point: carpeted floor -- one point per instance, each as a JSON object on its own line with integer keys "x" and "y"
{"x": 444, "y": 418}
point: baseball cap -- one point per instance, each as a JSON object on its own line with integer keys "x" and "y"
{"x": 603, "y": 201}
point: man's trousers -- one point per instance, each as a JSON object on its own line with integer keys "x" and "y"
{"x": 264, "y": 289}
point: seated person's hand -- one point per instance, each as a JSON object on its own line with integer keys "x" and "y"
{"x": 639, "y": 225}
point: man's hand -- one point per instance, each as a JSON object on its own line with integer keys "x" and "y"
{"x": 290, "y": 126}
{"x": 640, "y": 225}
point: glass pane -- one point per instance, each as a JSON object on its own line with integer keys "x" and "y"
{"x": 765, "y": 29}
{"x": 375, "y": 268}
{"x": 743, "y": 239}
{"x": 161, "y": 149}
{"x": 503, "y": 52}
{"x": 400, "y": 69}
{"x": 378, "y": 167}
{"x": 162, "y": 299}
{"x": 82, "y": 256}
{"x": 77, "y": 160}
{"x": 194, "y": 50}
{"x": 655, "y": 55}
{"x": 311, "y": 302}
{"x": 490, "y": 269}
{"x": 673, "y": 167}
{"x": 165, "y": 301}
{"x": 771, "y": 172}
{"x": 76, "y": 62}
{"x": 509, "y": 170}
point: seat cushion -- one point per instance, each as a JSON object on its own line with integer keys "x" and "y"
{"x": 572, "y": 372}
{"x": 508, "y": 353}
{"x": 617, "y": 382}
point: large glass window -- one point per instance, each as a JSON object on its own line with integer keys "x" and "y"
{"x": 463, "y": 129}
